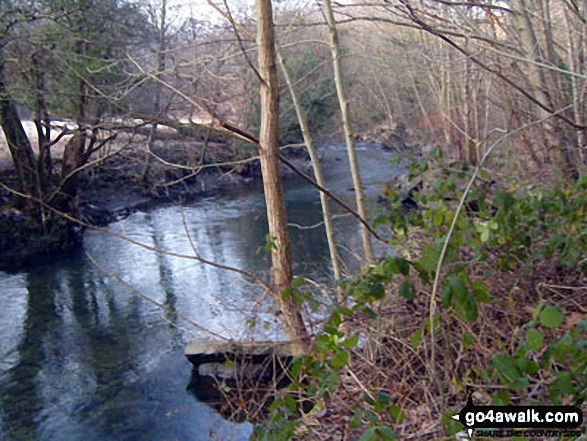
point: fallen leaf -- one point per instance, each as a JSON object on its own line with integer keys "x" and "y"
{"x": 573, "y": 319}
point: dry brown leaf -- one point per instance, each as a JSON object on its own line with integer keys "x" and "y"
{"x": 573, "y": 319}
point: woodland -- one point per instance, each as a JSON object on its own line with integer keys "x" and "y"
{"x": 486, "y": 289}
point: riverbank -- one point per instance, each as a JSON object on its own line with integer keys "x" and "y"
{"x": 126, "y": 178}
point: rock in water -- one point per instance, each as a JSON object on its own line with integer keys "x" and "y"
{"x": 228, "y": 359}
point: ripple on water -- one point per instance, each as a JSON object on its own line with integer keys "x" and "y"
{"x": 82, "y": 357}
{"x": 12, "y": 316}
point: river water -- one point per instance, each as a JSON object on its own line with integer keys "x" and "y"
{"x": 83, "y": 357}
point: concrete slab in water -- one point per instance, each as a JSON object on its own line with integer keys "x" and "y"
{"x": 219, "y": 351}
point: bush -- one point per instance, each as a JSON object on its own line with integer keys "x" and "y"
{"x": 488, "y": 324}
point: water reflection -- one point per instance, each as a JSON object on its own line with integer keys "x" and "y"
{"x": 82, "y": 357}
{"x": 94, "y": 362}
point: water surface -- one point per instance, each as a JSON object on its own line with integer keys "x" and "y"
{"x": 82, "y": 357}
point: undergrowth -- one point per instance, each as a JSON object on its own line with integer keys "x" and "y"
{"x": 507, "y": 319}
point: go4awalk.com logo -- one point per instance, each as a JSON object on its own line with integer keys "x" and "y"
{"x": 528, "y": 421}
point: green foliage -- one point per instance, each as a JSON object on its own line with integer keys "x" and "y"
{"x": 270, "y": 243}
{"x": 316, "y": 92}
{"x": 455, "y": 293}
{"x": 380, "y": 433}
{"x": 407, "y": 291}
{"x": 515, "y": 228}
{"x": 550, "y": 317}
{"x": 518, "y": 228}
{"x": 79, "y": 52}
{"x": 523, "y": 224}
{"x": 543, "y": 355}
{"x": 321, "y": 371}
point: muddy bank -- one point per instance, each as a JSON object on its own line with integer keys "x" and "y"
{"x": 176, "y": 171}
{"x": 122, "y": 183}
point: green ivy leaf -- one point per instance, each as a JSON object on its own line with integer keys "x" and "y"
{"x": 290, "y": 405}
{"x": 467, "y": 310}
{"x": 538, "y": 309}
{"x": 397, "y": 413}
{"x": 438, "y": 219}
{"x": 404, "y": 266}
{"x": 376, "y": 290}
{"x": 297, "y": 282}
{"x": 430, "y": 256}
{"x": 334, "y": 331}
{"x": 340, "y": 359}
{"x": 415, "y": 338}
{"x": 390, "y": 267}
{"x": 459, "y": 289}
{"x": 483, "y": 230}
{"x": 468, "y": 340}
{"x": 534, "y": 339}
{"x": 501, "y": 398}
{"x": 356, "y": 420}
{"x": 564, "y": 383}
{"x": 452, "y": 426}
{"x": 335, "y": 319}
{"x": 370, "y": 313}
{"x": 480, "y": 291}
{"x": 371, "y": 416}
{"x": 350, "y": 342}
{"x": 386, "y": 433}
{"x": 550, "y": 317}
{"x": 378, "y": 434}
{"x": 407, "y": 291}
{"x": 446, "y": 295}
{"x": 507, "y": 370}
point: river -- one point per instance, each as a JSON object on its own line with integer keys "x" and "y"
{"x": 82, "y": 357}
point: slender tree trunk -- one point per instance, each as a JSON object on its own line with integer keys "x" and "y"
{"x": 576, "y": 56}
{"x": 162, "y": 47}
{"x": 281, "y": 268}
{"x": 41, "y": 118}
{"x": 555, "y": 138}
{"x": 414, "y": 85}
{"x": 326, "y": 214}
{"x": 466, "y": 147}
{"x": 348, "y": 131}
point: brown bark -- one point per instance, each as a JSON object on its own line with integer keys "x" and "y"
{"x": 73, "y": 158}
{"x": 281, "y": 267}
{"x": 19, "y": 145}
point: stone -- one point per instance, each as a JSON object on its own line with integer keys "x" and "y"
{"x": 232, "y": 354}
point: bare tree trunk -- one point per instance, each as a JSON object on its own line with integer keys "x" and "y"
{"x": 162, "y": 47}
{"x": 326, "y": 214}
{"x": 41, "y": 118}
{"x": 281, "y": 268}
{"x": 19, "y": 145}
{"x": 348, "y": 131}
{"x": 554, "y": 135}
{"x": 576, "y": 56}
{"x": 466, "y": 146}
